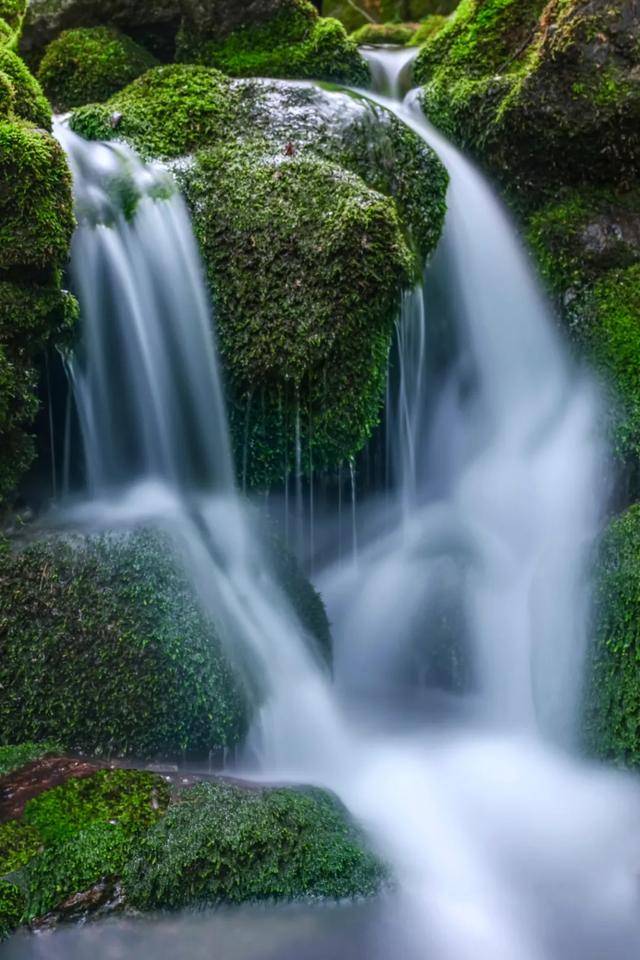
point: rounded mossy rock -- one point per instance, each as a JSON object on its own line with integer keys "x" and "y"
{"x": 612, "y": 700}
{"x": 355, "y": 15}
{"x": 90, "y": 64}
{"x": 105, "y": 647}
{"x": 27, "y": 101}
{"x": 269, "y": 38}
{"x": 152, "y": 23}
{"x": 223, "y": 843}
{"x": 544, "y": 93}
{"x": 11, "y": 16}
{"x": 390, "y": 34}
{"x": 306, "y": 291}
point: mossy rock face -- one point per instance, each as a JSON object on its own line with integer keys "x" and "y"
{"x": 393, "y": 34}
{"x": 544, "y": 93}
{"x": 227, "y": 844}
{"x": 27, "y": 101}
{"x": 153, "y": 23}
{"x": 90, "y": 64}
{"x": 304, "y": 316}
{"x": 269, "y": 38}
{"x": 612, "y": 702}
{"x": 104, "y": 647}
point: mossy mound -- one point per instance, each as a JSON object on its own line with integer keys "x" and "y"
{"x": 612, "y": 702}
{"x": 11, "y": 16}
{"x": 105, "y": 648}
{"x": 269, "y": 38}
{"x": 544, "y": 93}
{"x": 428, "y": 29}
{"x": 27, "y": 101}
{"x": 304, "y": 318}
{"x": 305, "y": 313}
{"x": 227, "y": 844}
{"x": 393, "y": 34}
{"x": 90, "y": 64}
{"x": 152, "y": 23}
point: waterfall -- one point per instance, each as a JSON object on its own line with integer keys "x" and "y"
{"x": 502, "y": 846}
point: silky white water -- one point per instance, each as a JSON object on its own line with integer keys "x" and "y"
{"x": 502, "y": 846}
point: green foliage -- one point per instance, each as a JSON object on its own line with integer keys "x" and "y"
{"x": 385, "y": 11}
{"x": 28, "y": 101}
{"x": 223, "y": 843}
{"x": 428, "y": 29}
{"x": 396, "y": 34}
{"x": 305, "y": 312}
{"x": 133, "y": 799}
{"x": 73, "y": 865}
{"x": 12, "y": 904}
{"x": 90, "y": 64}
{"x": 293, "y": 44}
{"x": 612, "y": 703}
{"x": 11, "y": 17}
{"x": 19, "y": 842}
{"x": 103, "y": 646}
{"x": 14, "y": 757}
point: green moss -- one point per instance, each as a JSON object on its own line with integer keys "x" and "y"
{"x": 29, "y": 102}
{"x": 396, "y": 34}
{"x": 103, "y": 646}
{"x": 36, "y": 220}
{"x": 544, "y": 93}
{"x": 168, "y": 112}
{"x": 292, "y": 44}
{"x": 19, "y": 842}
{"x": 306, "y": 264}
{"x": 7, "y": 95}
{"x": 12, "y": 904}
{"x": 90, "y": 64}
{"x": 428, "y": 29}
{"x": 133, "y": 799}
{"x": 222, "y": 843}
{"x": 12, "y": 12}
{"x": 385, "y": 11}
{"x": 612, "y": 703}
{"x": 14, "y": 757}
{"x": 98, "y": 852}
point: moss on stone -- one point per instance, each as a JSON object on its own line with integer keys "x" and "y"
{"x": 90, "y": 64}
{"x": 223, "y": 843}
{"x": 14, "y": 757}
{"x": 395, "y": 34}
{"x": 428, "y": 29}
{"x": 28, "y": 100}
{"x": 304, "y": 314}
{"x": 291, "y": 43}
{"x": 104, "y": 647}
{"x": 612, "y": 703}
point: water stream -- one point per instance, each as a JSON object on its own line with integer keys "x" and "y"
{"x": 503, "y": 846}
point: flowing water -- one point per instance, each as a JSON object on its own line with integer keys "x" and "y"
{"x": 502, "y": 846}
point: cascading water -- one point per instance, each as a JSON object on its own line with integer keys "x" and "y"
{"x": 500, "y": 845}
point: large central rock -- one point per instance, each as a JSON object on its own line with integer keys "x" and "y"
{"x": 226, "y": 16}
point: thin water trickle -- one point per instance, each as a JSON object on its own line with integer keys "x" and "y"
{"x": 501, "y": 845}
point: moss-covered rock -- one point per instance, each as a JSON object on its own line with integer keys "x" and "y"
{"x": 395, "y": 34}
{"x": 90, "y": 64}
{"x": 428, "y": 29}
{"x": 27, "y": 101}
{"x": 104, "y": 646}
{"x": 305, "y": 333}
{"x": 544, "y": 93}
{"x": 384, "y": 11}
{"x": 612, "y": 702}
{"x": 11, "y": 16}
{"x": 269, "y": 38}
{"x": 152, "y": 23}
{"x": 223, "y": 843}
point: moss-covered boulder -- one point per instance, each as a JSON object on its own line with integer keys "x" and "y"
{"x": 228, "y": 844}
{"x": 153, "y": 23}
{"x": 25, "y": 99}
{"x": 11, "y": 16}
{"x": 313, "y": 211}
{"x": 545, "y": 93}
{"x": 612, "y": 702}
{"x": 269, "y": 38}
{"x": 105, "y": 647}
{"x": 90, "y": 64}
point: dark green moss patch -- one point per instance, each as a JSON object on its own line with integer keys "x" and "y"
{"x": 14, "y": 757}
{"x": 90, "y": 64}
{"x": 395, "y": 34}
{"x": 223, "y": 843}
{"x": 12, "y": 904}
{"x": 19, "y": 843}
{"x": 27, "y": 101}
